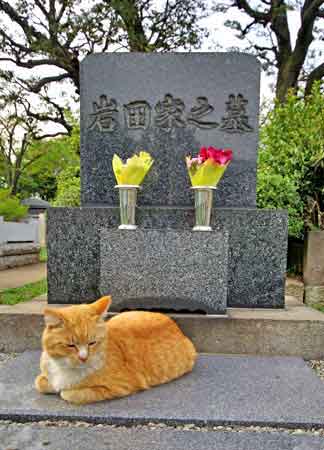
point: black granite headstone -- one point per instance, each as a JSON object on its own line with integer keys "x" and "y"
{"x": 169, "y": 105}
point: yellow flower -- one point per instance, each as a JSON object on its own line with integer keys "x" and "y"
{"x": 134, "y": 170}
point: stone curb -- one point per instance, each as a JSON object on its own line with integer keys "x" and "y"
{"x": 294, "y": 331}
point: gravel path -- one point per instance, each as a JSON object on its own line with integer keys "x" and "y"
{"x": 318, "y": 366}
{"x": 295, "y": 288}
{"x": 5, "y": 357}
{"x": 157, "y": 426}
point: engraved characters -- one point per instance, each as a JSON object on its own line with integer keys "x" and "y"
{"x": 137, "y": 114}
{"x": 198, "y": 112}
{"x": 236, "y": 119}
{"x": 170, "y": 113}
{"x": 105, "y": 114}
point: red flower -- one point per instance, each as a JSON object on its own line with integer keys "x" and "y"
{"x": 218, "y": 155}
{"x": 222, "y": 157}
{"x": 203, "y": 154}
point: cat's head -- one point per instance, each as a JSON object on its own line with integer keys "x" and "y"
{"x": 76, "y": 333}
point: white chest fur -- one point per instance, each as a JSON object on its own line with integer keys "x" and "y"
{"x": 61, "y": 375}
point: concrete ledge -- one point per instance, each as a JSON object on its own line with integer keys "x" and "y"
{"x": 295, "y": 331}
{"x": 19, "y": 249}
{"x": 11, "y": 261}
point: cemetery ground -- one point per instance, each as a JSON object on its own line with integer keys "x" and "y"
{"x": 258, "y": 400}
{"x": 257, "y": 382}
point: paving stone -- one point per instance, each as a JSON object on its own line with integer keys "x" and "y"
{"x": 39, "y": 438}
{"x": 279, "y": 391}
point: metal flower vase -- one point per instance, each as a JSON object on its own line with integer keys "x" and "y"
{"x": 203, "y": 207}
{"x": 127, "y": 205}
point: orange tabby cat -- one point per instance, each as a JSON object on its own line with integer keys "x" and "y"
{"x": 86, "y": 360}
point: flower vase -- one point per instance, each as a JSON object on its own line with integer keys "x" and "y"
{"x": 127, "y": 205}
{"x": 203, "y": 207}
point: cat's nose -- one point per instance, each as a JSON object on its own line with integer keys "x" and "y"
{"x": 83, "y": 353}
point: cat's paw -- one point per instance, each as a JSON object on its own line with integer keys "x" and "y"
{"x": 43, "y": 386}
{"x": 72, "y": 396}
{"x": 83, "y": 396}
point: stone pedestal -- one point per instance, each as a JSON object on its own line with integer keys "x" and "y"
{"x": 164, "y": 270}
{"x": 257, "y": 241}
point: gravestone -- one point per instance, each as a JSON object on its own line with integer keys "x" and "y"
{"x": 169, "y": 105}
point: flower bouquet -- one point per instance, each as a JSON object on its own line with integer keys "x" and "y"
{"x": 130, "y": 176}
{"x": 205, "y": 171}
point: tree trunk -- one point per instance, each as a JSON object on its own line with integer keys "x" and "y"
{"x": 287, "y": 79}
{"x": 128, "y": 11}
{"x": 316, "y": 75}
{"x": 14, "y": 186}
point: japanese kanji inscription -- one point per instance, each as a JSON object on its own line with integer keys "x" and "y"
{"x": 236, "y": 119}
{"x": 137, "y": 114}
{"x": 170, "y": 113}
{"x": 202, "y": 109}
{"x": 105, "y": 114}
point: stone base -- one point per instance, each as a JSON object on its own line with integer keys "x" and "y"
{"x": 16, "y": 255}
{"x": 165, "y": 270}
{"x": 221, "y": 390}
{"x": 257, "y": 250}
{"x": 314, "y": 294}
{"x": 296, "y": 330}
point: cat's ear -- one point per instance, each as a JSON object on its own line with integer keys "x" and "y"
{"x": 101, "y": 306}
{"x": 53, "y": 317}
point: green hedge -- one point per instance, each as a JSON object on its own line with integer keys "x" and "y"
{"x": 291, "y": 159}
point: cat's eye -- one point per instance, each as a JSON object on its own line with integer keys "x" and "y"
{"x": 92, "y": 343}
{"x": 71, "y": 345}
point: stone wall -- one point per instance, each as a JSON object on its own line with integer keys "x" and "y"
{"x": 24, "y": 231}
{"x": 21, "y": 254}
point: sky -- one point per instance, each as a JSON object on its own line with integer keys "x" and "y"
{"x": 226, "y": 38}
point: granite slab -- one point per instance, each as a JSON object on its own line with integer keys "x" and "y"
{"x": 257, "y": 250}
{"x": 32, "y": 437}
{"x": 276, "y": 391}
{"x": 164, "y": 269}
{"x": 170, "y": 105}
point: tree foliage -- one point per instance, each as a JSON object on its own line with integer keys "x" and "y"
{"x": 55, "y": 156}
{"x": 291, "y": 161}
{"x": 68, "y": 187}
{"x": 29, "y": 159}
{"x": 17, "y": 131}
{"x": 10, "y": 207}
{"x": 58, "y": 33}
{"x": 265, "y": 29}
